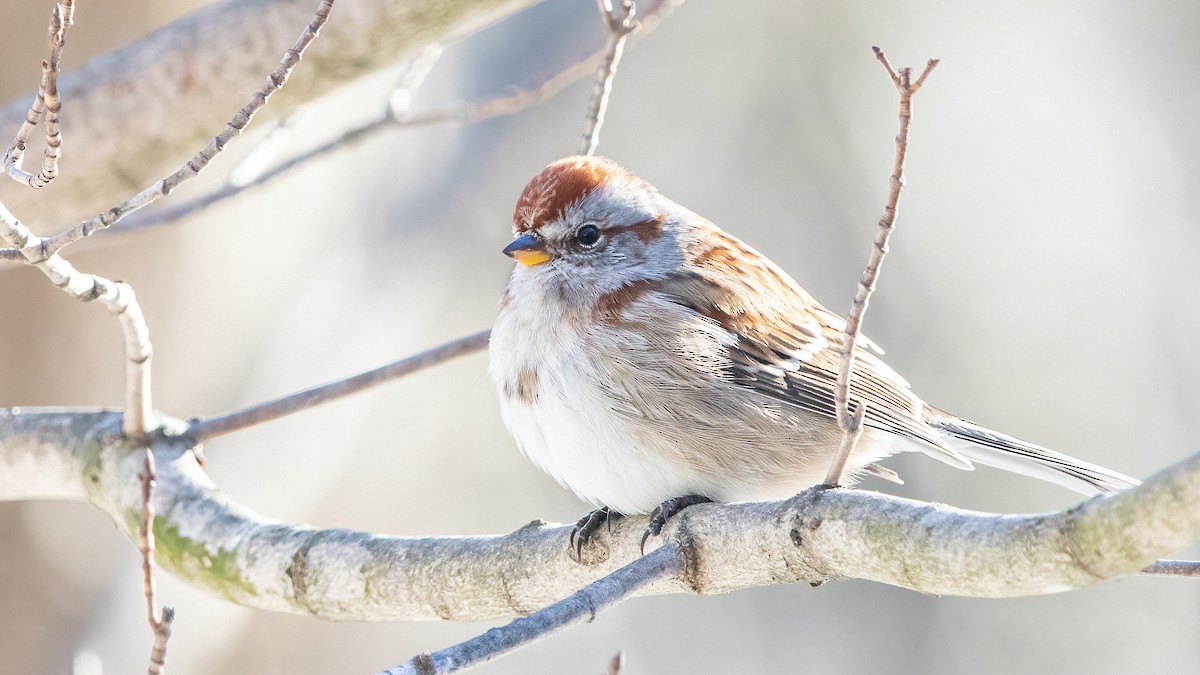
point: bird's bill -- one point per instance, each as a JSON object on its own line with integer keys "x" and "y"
{"x": 527, "y": 250}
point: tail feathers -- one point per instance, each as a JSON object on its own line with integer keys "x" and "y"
{"x": 990, "y": 448}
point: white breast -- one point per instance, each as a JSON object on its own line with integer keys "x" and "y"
{"x": 565, "y": 423}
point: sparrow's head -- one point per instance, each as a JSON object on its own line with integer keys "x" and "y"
{"x": 586, "y": 226}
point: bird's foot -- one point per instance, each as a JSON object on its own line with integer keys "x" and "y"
{"x": 667, "y": 510}
{"x": 589, "y": 525}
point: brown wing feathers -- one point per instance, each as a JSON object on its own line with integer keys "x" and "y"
{"x": 788, "y": 351}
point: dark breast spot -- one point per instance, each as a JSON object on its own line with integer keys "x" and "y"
{"x": 524, "y": 388}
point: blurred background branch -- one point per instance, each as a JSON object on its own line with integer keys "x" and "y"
{"x": 144, "y": 107}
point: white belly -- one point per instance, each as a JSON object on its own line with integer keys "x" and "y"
{"x": 567, "y": 429}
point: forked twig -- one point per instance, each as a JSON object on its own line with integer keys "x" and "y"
{"x": 45, "y": 107}
{"x": 620, "y": 22}
{"x": 159, "y": 620}
{"x": 583, "y": 605}
{"x": 851, "y": 422}
{"x": 201, "y": 431}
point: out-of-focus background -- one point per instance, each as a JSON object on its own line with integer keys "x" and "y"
{"x": 1041, "y": 281}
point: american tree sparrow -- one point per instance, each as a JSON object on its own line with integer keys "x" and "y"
{"x": 648, "y": 361}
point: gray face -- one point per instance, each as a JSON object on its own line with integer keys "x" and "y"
{"x": 606, "y": 240}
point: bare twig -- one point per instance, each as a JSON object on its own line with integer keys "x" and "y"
{"x": 159, "y": 620}
{"x": 118, "y": 297}
{"x": 395, "y": 118}
{"x": 851, "y": 424}
{"x": 616, "y": 664}
{"x": 583, "y": 605}
{"x": 46, "y": 106}
{"x": 280, "y": 407}
{"x": 263, "y": 156}
{"x": 275, "y": 80}
{"x": 620, "y": 22}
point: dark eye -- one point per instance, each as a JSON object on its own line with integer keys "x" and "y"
{"x": 588, "y": 235}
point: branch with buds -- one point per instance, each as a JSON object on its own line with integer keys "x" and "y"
{"x": 45, "y": 107}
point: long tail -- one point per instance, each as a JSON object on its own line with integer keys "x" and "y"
{"x": 991, "y": 448}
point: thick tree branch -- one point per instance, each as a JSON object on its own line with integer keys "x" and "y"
{"x": 212, "y": 542}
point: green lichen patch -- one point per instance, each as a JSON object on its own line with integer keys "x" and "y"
{"x": 194, "y": 561}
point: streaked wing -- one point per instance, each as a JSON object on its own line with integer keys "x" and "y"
{"x": 788, "y": 346}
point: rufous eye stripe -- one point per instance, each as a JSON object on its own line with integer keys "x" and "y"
{"x": 646, "y": 230}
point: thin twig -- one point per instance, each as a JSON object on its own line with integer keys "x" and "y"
{"x": 46, "y": 106}
{"x": 393, "y": 119}
{"x": 583, "y": 605}
{"x": 263, "y": 156}
{"x": 275, "y": 80}
{"x": 851, "y": 424}
{"x": 271, "y": 410}
{"x": 159, "y": 620}
{"x": 619, "y": 21}
{"x": 616, "y": 664}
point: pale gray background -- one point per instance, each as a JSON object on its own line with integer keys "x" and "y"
{"x": 1041, "y": 281}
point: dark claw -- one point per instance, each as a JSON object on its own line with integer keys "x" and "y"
{"x": 588, "y": 525}
{"x": 667, "y": 510}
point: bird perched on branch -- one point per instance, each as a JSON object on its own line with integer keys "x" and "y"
{"x": 648, "y": 360}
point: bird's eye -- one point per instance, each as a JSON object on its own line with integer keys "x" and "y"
{"x": 588, "y": 235}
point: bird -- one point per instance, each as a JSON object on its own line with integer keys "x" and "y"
{"x": 648, "y": 361}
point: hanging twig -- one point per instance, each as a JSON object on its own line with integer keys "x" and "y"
{"x": 159, "y": 620}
